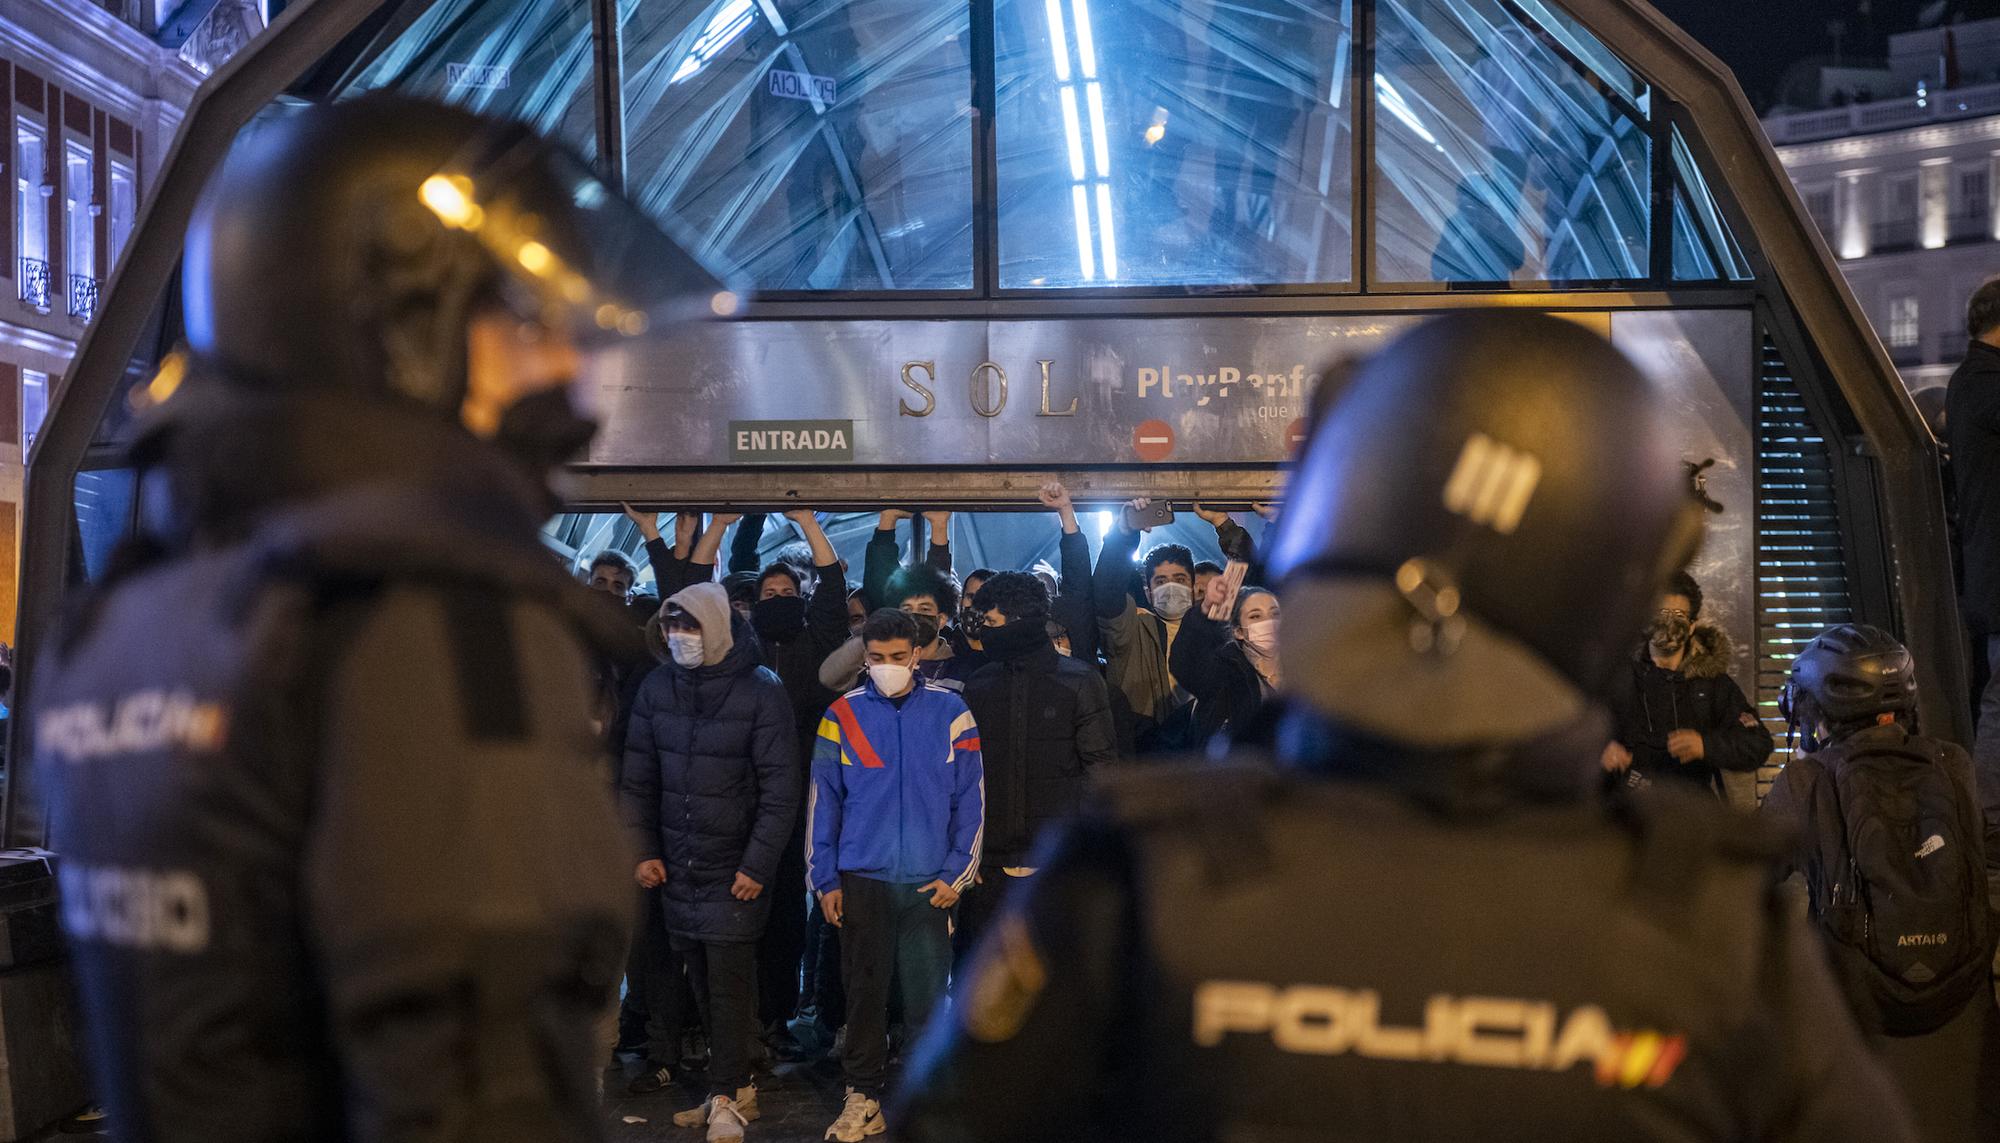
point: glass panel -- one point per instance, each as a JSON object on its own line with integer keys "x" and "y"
{"x": 525, "y": 59}
{"x": 1140, "y": 145}
{"x": 103, "y": 514}
{"x": 1496, "y": 160}
{"x": 1586, "y": 49}
{"x": 1705, "y": 248}
{"x": 813, "y": 144}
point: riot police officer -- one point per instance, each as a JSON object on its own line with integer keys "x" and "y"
{"x": 338, "y": 854}
{"x": 1418, "y": 925}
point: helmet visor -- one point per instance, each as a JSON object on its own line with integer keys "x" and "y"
{"x": 572, "y": 253}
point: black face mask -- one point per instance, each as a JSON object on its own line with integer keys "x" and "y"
{"x": 1015, "y": 638}
{"x": 779, "y": 617}
{"x": 927, "y": 628}
{"x": 971, "y": 624}
{"x": 543, "y": 431}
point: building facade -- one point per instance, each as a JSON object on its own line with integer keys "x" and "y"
{"x": 91, "y": 97}
{"x": 1900, "y": 168}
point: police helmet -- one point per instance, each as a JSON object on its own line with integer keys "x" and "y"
{"x": 1482, "y": 518}
{"x": 1848, "y": 675}
{"x": 347, "y": 246}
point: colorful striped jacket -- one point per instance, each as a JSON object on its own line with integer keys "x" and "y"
{"x": 898, "y": 794}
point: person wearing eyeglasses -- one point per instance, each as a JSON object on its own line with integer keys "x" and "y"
{"x": 1682, "y": 719}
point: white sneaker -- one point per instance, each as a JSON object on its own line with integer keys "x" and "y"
{"x": 858, "y": 1120}
{"x": 725, "y": 1123}
{"x": 745, "y": 1103}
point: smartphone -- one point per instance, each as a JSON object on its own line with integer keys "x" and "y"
{"x": 1157, "y": 515}
{"x": 1232, "y": 586}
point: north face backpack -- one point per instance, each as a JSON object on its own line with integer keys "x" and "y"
{"x": 1897, "y": 880}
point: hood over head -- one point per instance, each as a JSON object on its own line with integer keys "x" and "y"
{"x": 708, "y": 603}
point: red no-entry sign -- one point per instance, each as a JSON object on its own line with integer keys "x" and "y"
{"x": 1295, "y": 436}
{"x": 1153, "y": 440}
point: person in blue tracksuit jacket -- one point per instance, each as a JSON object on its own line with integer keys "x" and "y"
{"x": 896, "y": 815}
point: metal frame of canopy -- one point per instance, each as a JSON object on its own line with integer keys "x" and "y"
{"x": 1883, "y": 459}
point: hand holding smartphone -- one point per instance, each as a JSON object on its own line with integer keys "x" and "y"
{"x": 1145, "y": 514}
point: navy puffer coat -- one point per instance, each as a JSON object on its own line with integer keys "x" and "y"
{"x": 711, "y": 786}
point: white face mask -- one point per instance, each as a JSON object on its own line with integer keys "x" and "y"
{"x": 1262, "y": 637}
{"x": 1063, "y": 650}
{"x": 1172, "y": 600}
{"x": 891, "y": 679}
{"x": 685, "y": 647}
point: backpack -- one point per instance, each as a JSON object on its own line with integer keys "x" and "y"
{"x": 1897, "y": 879}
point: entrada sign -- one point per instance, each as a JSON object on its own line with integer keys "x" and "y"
{"x": 792, "y": 441}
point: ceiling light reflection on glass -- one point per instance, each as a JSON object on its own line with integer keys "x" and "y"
{"x": 1082, "y": 198}
{"x": 1394, "y": 103}
{"x": 729, "y": 21}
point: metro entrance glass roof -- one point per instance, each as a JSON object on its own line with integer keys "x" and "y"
{"x": 1025, "y": 145}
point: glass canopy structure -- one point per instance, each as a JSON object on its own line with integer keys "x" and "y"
{"x": 1118, "y": 241}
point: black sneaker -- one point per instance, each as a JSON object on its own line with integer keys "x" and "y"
{"x": 655, "y": 1077}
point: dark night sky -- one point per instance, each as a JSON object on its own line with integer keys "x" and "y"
{"x": 1762, "y": 38}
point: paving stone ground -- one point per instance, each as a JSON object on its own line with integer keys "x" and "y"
{"x": 798, "y": 1102}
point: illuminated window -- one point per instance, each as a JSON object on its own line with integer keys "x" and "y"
{"x": 124, "y": 207}
{"x": 34, "y": 405}
{"x": 31, "y": 213}
{"x": 1906, "y": 329}
{"x": 79, "y": 230}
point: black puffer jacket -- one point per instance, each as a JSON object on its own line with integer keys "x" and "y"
{"x": 711, "y": 787}
{"x": 1653, "y": 702}
{"x": 1213, "y": 668}
{"x": 1044, "y": 723}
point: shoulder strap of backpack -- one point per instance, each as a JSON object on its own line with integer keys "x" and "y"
{"x": 1826, "y": 825}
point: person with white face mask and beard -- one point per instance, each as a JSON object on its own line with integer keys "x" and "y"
{"x": 710, "y": 791}
{"x": 1227, "y": 657}
{"x": 1681, "y": 718}
{"x": 1139, "y": 633}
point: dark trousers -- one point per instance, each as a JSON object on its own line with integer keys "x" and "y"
{"x": 824, "y": 994}
{"x": 783, "y": 947}
{"x": 1986, "y": 746}
{"x": 654, "y": 990}
{"x": 724, "y": 975}
{"x": 887, "y": 931}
